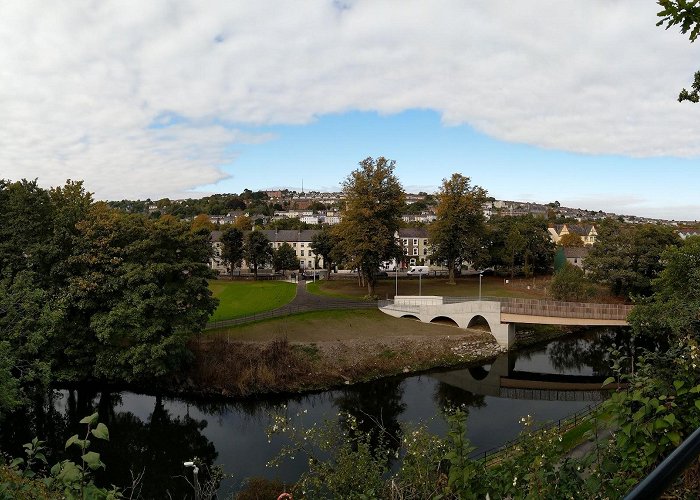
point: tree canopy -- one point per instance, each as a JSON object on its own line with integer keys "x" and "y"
{"x": 374, "y": 200}
{"x": 457, "y": 232}
{"x": 324, "y": 243}
{"x": 627, "y": 257}
{"x": 285, "y": 258}
{"x": 232, "y": 251}
{"x": 257, "y": 250}
{"x": 520, "y": 244}
{"x": 686, "y": 14}
{"x": 91, "y": 292}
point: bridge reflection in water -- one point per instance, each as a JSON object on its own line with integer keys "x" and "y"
{"x": 503, "y": 381}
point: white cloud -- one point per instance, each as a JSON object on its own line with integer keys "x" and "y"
{"x": 81, "y": 83}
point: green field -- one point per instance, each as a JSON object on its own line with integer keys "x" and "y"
{"x": 242, "y": 298}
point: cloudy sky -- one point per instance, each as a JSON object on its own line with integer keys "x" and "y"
{"x": 534, "y": 100}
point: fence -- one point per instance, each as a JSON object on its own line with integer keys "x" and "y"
{"x": 288, "y": 310}
{"x": 562, "y": 425}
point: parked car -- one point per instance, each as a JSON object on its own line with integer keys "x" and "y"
{"x": 382, "y": 274}
{"x": 418, "y": 270}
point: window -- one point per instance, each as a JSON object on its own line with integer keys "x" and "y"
{"x": 415, "y": 251}
{"x": 405, "y": 251}
{"x": 294, "y": 245}
{"x": 302, "y": 253}
{"x": 404, "y": 242}
{"x": 301, "y": 244}
{"x": 425, "y": 242}
{"x": 413, "y": 262}
{"x": 425, "y": 251}
{"x": 415, "y": 241}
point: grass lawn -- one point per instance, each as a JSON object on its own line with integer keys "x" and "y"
{"x": 491, "y": 286}
{"x": 334, "y": 325}
{"x": 241, "y": 298}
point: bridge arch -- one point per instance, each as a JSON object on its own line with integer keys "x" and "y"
{"x": 444, "y": 320}
{"x": 411, "y": 316}
{"x": 478, "y": 322}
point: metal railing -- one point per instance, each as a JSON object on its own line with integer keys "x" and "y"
{"x": 562, "y": 425}
{"x": 528, "y": 307}
{"x": 656, "y": 483}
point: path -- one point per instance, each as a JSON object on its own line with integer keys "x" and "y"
{"x": 303, "y": 302}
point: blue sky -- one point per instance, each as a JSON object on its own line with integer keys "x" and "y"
{"x": 535, "y": 100}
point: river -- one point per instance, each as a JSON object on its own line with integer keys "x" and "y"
{"x": 157, "y": 434}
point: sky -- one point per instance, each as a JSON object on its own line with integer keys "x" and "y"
{"x": 533, "y": 100}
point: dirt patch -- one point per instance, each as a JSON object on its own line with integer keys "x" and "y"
{"x": 236, "y": 368}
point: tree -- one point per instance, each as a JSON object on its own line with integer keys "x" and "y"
{"x": 285, "y": 258}
{"x": 570, "y": 283}
{"x": 520, "y": 242}
{"x": 202, "y": 223}
{"x": 257, "y": 250}
{"x": 685, "y": 13}
{"x": 571, "y": 240}
{"x": 324, "y": 244}
{"x": 457, "y": 232}
{"x": 627, "y": 257}
{"x": 374, "y": 200}
{"x": 672, "y": 310}
{"x": 243, "y": 223}
{"x": 232, "y": 251}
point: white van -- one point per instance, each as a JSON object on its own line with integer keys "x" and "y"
{"x": 418, "y": 270}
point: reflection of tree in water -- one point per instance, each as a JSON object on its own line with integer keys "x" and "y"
{"x": 159, "y": 446}
{"x": 448, "y": 396}
{"x": 376, "y": 405}
{"x": 593, "y": 351}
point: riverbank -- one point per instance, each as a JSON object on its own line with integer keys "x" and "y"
{"x": 317, "y": 351}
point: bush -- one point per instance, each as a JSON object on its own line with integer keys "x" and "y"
{"x": 570, "y": 284}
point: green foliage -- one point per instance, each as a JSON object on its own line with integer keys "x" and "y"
{"x": 672, "y": 310}
{"x": 232, "y": 251}
{"x": 374, "y": 200}
{"x": 257, "y": 250}
{"x": 28, "y": 478}
{"x": 456, "y": 235}
{"x": 325, "y": 244}
{"x": 627, "y": 257}
{"x": 285, "y": 258}
{"x": 570, "y": 284}
{"x": 520, "y": 243}
{"x": 686, "y": 14}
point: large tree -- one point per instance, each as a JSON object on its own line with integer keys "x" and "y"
{"x": 257, "y": 250}
{"x": 672, "y": 310}
{"x": 457, "y": 233}
{"x": 520, "y": 243}
{"x": 232, "y": 251}
{"x": 627, "y": 257}
{"x": 323, "y": 243}
{"x": 285, "y": 258}
{"x": 374, "y": 200}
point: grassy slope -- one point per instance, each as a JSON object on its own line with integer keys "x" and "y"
{"x": 465, "y": 287}
{"x": 334, "y": 325}
{"x": 241, "y": 298}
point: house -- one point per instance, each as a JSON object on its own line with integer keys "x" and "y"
{"x": 300, "y": 241}
{"x": 415, "y": 245}
{"x": 587, "y": 232}
{"x": 576, "y": 255}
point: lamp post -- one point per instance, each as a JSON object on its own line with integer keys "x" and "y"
{"x": 396, "y": 277}
{"x": 420, "y": 275}
{"x": 480, "y": 275}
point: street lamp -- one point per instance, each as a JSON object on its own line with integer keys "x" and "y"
{"x": 420, "y": 275}
{"x": 396, "y": 277}
{"x": 480, "y": 275}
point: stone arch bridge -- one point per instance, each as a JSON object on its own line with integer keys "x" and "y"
{"x": 501, "y": 314}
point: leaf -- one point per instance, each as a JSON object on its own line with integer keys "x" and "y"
{"x": 93, "y": 460}
{"x": 101, "y": 432}
{"x": 670, "y": 418}
{"x": 678, "y": 384}
{"x": 91, "y": 419}
{"x": 608, "y": 380}
{"x": 71, "y": 440}
{"x": 674, "y": 437}
{"x": 16, "y": 462}
{"x": 697, "y": 404}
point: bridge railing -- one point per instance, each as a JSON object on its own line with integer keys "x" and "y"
{"x": 584, "y": 310}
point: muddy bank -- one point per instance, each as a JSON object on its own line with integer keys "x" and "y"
{"x": 240, "y": 368}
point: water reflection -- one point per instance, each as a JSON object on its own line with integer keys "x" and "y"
{"x": 158, "y": 434}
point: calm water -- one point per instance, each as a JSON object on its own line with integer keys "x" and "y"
{"x": 159, "y": 434}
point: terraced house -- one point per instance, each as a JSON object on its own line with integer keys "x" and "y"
{"x": 415, "y": 245}
{"x": 300, "y": 241}
{"x": 586, "y": 232}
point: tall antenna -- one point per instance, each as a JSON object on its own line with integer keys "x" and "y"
{"x": 302, "y": 186}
